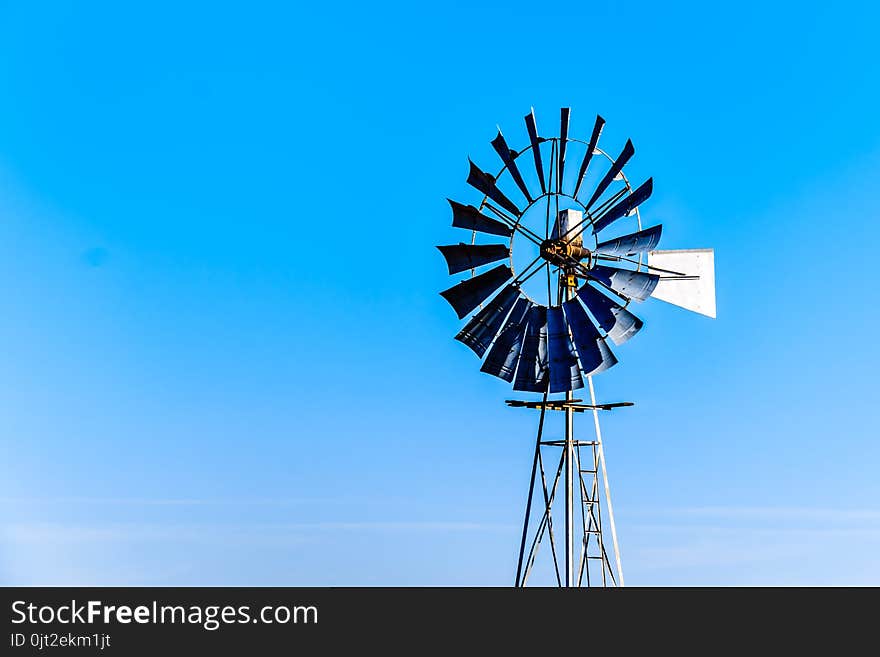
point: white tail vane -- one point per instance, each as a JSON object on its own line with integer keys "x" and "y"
{"x": 695, "y": 290}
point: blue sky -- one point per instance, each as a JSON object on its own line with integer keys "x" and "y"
{"x": 226, "y": 359}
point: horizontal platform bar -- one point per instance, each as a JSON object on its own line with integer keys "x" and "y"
{"x": 564, "y": 404}
{"x": 576, "y": 443}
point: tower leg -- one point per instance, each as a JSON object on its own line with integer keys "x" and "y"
{"x": 601, "y": 459}
{"x": 569, "y": 492}
{"x": 525, "y": 531}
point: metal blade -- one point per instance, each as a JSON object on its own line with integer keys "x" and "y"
{"x": 640, "y": 242}
{"x": 564, "y": 115}
{"x": 614, "y": 319}
{"x": 504, "y": 353}
{"x": 508, "y": 156}
{"x": 624, "y": 206}
{"x": 470, "y": 293}
{"x": 532, "y": 128}
{"x": 468, "y": 217}
{"x": 617, "y": 321}
{"x": 593, "y": 353}
{"x": 485, "y": 183}
{"x": 564, "y": 371}
{"x": 533, "y": 368}
{"x": 630, "y": 284}
{"x": 608, "y": 357}
{"x": 616, "y": 166}
{"x": 594, "y": 141}
{"x": 461, "y": 257}
{"x": 482, "y": 328}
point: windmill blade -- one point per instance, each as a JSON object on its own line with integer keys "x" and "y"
{"x": 564, "y": 371}
{"x": 564, "y": 115}
{"x": 616, "y": 166}
{"x": 485, "y": 183}
{"x": 508, "y": 156}
{"x": 482, "y": 328}
{"x": 618, "y": 322}
{"x": 639, "y": 242}
{"x": 468, "y": 217}
{"x": 504, "y": 353}
{"x": 696, "y": 290}
{"x": 607, "y": 356}
{"x": 470, "y": 293}
{"x": 533, "y": 367}
{"x": 461, "y": 257}
{"x": 593, "y": 353}
{"x": 532, "y": 129}
{"x": 591, "y": 147}
{"x": 627, "y": 283}
{"x": 624, "y": 206}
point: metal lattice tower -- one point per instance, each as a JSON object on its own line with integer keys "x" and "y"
{"x": 587, "y": 559}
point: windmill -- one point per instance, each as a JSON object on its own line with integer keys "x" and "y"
{"x": 583, "y": 226}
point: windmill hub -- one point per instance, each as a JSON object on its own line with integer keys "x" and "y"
{"x": 561, "y": 252}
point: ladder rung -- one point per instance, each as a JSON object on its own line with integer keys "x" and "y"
{"x": 589, "y": 471}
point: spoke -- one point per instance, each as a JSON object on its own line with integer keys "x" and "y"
{"x": 498, "y": 213}
{"x": 516, "y": 225}
{"x": 525, "y": 232}
{"x": 580, "y": 267}
{"x": 585, "y": 274}
{"x": 530, "y": 275}
{"x": 605, "y": 207}
{"x": 677, "y": 274}
{"x": 522, "y": 273}
{"x": 591, "y": 219}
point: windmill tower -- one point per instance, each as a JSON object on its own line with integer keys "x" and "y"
{"x": 553, "y": 339}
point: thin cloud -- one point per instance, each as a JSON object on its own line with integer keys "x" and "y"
{"x": 49, "y": 532}
{"x": 782, "y": 512}
{"x": 133, "y": 501}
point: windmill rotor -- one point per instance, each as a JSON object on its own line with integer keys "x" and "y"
{"x": 611, "y": 271}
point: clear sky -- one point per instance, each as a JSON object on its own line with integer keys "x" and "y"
{"x": 226, "y": 361}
